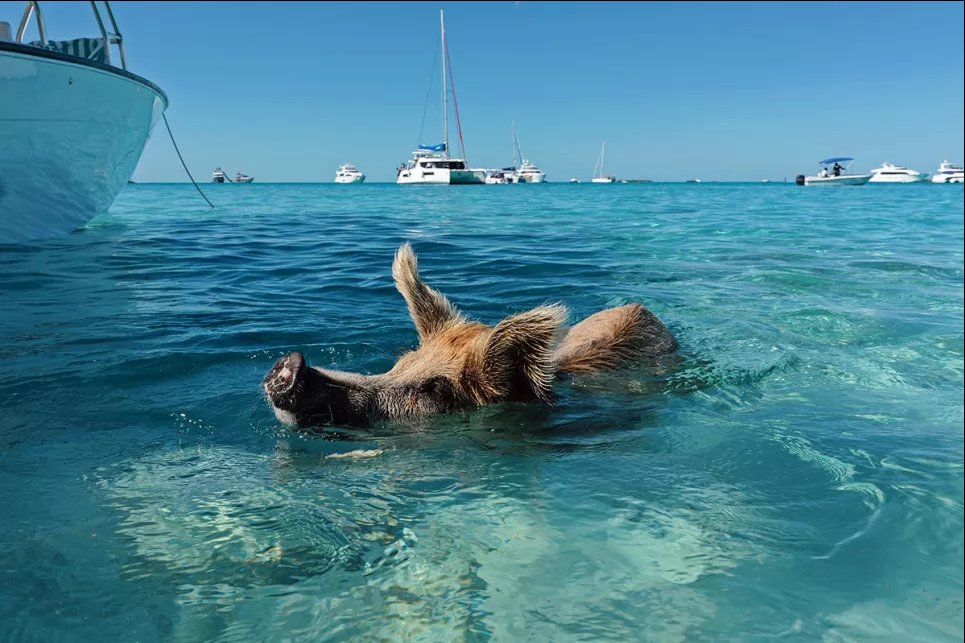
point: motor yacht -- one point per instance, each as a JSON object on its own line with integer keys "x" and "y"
{"x": 529, "y": 173}
{"x": 73, "y": 124}
{"x": 948, "y": 173}
{"x": 218, "y": 176}
{"x": 243, "y": 178}
{"x": 348, "y": 173}
{"x": 890, "y": 173}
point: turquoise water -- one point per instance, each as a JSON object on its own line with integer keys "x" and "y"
{"x": 797, "y": 475}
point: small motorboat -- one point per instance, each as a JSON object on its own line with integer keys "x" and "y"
{"x": 497, "y": 177}
{"x": 837, "y": 175}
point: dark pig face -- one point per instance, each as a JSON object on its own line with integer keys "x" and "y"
{"x": 303, "y": 396}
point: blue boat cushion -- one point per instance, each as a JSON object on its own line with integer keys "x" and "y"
{"x": 88, "y": 48}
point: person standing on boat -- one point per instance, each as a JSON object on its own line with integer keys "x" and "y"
{"x": 837, "y": 169}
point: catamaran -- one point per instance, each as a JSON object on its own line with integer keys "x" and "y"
{"x": 602, "y": 177}
{"x": 431, "y": 164}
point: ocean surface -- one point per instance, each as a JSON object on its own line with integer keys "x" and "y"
{"x": 795, "y": 473}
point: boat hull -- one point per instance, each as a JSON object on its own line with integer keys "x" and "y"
{"x": 350, "y": 179}
{"x": 603, "y": 179}
{"x": 72, "y": 135}
{"x": 440, "y": 176}
{"x": 532, "y": 178}
{"x": 879, "y": 177}
{"x": 948, "y": 178}
{"x": 898, "y": 179}
{"x": 844, "y": 179}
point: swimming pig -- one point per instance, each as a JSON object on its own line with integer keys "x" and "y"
{"x": 462, "y": 363}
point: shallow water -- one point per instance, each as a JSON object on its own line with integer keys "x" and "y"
{"x": 797, "y": 473}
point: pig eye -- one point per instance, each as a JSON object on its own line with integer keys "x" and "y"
{"x": 436, "y": 386}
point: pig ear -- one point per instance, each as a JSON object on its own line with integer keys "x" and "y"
{"x": 429, "y": 309}
{"x": 520, "y": 351}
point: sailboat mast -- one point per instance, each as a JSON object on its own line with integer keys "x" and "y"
{"x": 517, "y": 153}
{"x": 603, "y": 159}
{"x": 445, "y": 87}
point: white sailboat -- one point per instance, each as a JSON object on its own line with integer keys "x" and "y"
{"x": 431, "y": 164}
{"x": 602, "y": 176}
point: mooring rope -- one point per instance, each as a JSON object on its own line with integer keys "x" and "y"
{"x": 183, "y": 164}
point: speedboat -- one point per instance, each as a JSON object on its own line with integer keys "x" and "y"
{"x": 431, "y": 164}
{"x": 838, "y": 175}
{"x": 890, "y": 173}
{"x": 243, "y": 178}
{"x": 73, "y": 124}
{"x": 574, "y": 180}
{"x": 948, "y": 173}
{"x": 497, "y": 177}
{"x": 599, "y": 173}
{"x": 348, "y": 173}
{"x": 218, "y": 176}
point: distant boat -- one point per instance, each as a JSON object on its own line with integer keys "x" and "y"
{"x": 73, "y": 124}
{"x": 527, "y": 172}
{"x": 837, "y": 176}
{"x": 218, "y": 176}
{"x": 948, "y": 173}
{"x": 574, "y": 180}
{"x": 601, "y": 177}
{"x": 431, "y": 164}
{"x": 693, "y": 181}
{"x": 348, "y": 173}
{"x": 243, "y": 178}
{"x": 890, "y": 173}
{"x": 498, "y": 177}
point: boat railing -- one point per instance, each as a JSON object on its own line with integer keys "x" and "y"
{"x": 108, "y": 37}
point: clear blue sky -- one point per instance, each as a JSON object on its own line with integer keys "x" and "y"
{"x": 744, "y": 91}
